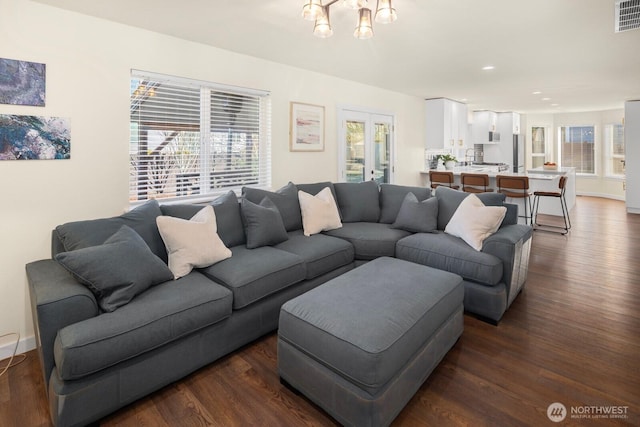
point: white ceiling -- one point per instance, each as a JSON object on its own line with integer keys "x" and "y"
{"x": 566, "y": 49}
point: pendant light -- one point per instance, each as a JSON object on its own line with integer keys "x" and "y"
{"x": 385, "y": 12}
{"x": 311, "y": 9}
{"x": 322, "y": 28}
{"x": 364, "y": 30}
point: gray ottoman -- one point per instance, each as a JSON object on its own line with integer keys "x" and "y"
{"x": 362, "y": 344}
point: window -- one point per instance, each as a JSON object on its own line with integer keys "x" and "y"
{"x": 614, "y": 146}
{"x": 538, "y": 146}
{"x": 577, "y": 148}
{"x": 192, "y": 140}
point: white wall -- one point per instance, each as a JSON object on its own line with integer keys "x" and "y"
{"x": 599, "y": 185}
{"x": 88, "y": 69}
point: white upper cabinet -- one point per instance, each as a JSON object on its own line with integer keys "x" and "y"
{"x": 484, "y": 123}
{"x": 446, "y": 124}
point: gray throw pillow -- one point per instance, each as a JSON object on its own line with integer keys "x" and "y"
{"x": 358, "y": 201}
{"x": 228, "y": 218}
{"x": 117, "y": 270}
{"x": 416, "y": 216}
{"x": 263, "y": 223}
{"x": 285, "y": 199}
{"x": 392, "y": 196}
{"x": 82, "y": 234}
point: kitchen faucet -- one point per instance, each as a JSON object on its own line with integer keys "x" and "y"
{"x": 468, "y": 158}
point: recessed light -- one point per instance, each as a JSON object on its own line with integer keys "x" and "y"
{"x": 546, "y": 99}
{"x": 555, "y": 105}
{"x": 488, "y": 67}
{"x": 537, "y": 92}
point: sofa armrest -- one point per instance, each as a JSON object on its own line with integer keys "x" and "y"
{"x": 511, "y": 217}
{"x": 511, "y": 244}
{"x": 57, "y": 300}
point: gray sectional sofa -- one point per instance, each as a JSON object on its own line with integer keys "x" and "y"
{"x": 96, "y": 358}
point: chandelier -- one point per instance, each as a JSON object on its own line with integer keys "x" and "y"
{"x": 314, "y": 10}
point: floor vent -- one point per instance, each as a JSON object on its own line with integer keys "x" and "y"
{"x": 627, "y": 15}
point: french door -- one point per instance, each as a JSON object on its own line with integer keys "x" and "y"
{"x": 366, "y": 146}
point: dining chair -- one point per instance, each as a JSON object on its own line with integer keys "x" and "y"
{"x": 563, "y": 204}
{"x": 438, "y": 178}
{"x": 516, "y": 187}
{"x": 475, "y": 183}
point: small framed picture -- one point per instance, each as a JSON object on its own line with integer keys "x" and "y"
{"x": 306, "y": 131}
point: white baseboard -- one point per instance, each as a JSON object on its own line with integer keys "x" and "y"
{"x": 24, "y": 345}
{"x": 602, "y": 195}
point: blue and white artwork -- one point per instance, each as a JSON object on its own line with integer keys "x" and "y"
{"x": 34, "y": 138}
{"x": 22, "y": 82}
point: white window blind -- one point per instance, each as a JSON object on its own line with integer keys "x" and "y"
{"x": 191, "y": 139}
{"x": 577, "y": 148}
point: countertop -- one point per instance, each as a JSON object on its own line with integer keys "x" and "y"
{"x": 536, "y": 173}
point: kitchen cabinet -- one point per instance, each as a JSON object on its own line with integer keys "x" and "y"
{"x": 446, "y": 124}
{"x": 483, "y": 123}
{"x": 504, "y": 151}
{"x": 632, "y": 155}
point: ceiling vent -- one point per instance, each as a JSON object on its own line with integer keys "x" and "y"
{"x": 627, "y": 15}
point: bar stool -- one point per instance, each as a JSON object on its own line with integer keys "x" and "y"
{"x": 475, "y": 183}
{"x": 563, "y": 204}
{"x": 516, "y": 187}
{"x": 445, "y": 179}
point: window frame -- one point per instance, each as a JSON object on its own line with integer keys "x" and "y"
{"x": 608, "y": 143}
{"x": 200, "y": 108}
{"x": 595, "y": 148}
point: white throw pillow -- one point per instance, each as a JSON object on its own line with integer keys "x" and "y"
{"x": 473, "y": 222}
{"x": 192, "y": 243}
{"x": 319, "y": 212}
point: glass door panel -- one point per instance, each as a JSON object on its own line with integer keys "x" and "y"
{"x": 366, "y": 147}
{"x": 355, "y": 152}
{"x": 382, "y": 153}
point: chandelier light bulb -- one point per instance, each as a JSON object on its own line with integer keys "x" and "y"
{"x": 322, "y": 27}
{"x": 311, "y": 9}
{"x": 364, "y": 30}
{"x": 385, "y": 13}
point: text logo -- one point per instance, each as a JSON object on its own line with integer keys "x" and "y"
{"x": 556, "y": 412}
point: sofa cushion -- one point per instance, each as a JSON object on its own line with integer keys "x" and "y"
{"x": 473, "y": 222}
{"x": 358, "y": 201}
{"x": 160, "y": 315}
{"x": 370, "y": 240}
{"x": 285, "y": 199}
{"x": 416, "y": 216}
{"x": 228, "y": 218}
{"x": 253, "y": 274}
{"x": 117, "y": 270}
{"x": 93, "y": 232}
{"x": 392, "y": 196}
{"x": 449, "y": 253}
{"x": 192, "y": 243}
{"x": 321, "y": 253}
{"x": 315, "y": 187}
{"x": 449, "y": 200}
{"x": 319, "y": 212}
{"x": 263, "y": 223}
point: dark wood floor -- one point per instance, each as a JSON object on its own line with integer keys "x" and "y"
{"x": 572, "y": 336}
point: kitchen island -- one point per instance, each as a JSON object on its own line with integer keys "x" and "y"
{"x": 540, "y": 179}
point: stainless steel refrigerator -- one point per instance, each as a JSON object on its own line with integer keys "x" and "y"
{"x": 518, "y": 154}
